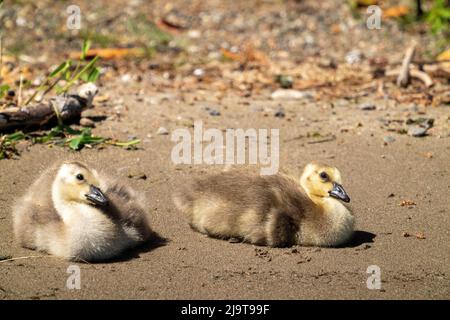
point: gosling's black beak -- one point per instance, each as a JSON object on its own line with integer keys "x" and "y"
{"x": 338, "y": 192}
{"x": 96, "y": 196}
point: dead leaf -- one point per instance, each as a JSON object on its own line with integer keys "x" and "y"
{"x": 396, "y": 12}
{"x": 230, "y": 55}
{"x": 168, "y": 27}
{"x": 444, "y": 56}
{"x": 420, "y": 235}
{"x": 110, "y": 53}
{"x": 407, "y": 203}
{"x": 248, "y": 54}
{"x": 335, "y": 28}
{"x": 444, "y": 59}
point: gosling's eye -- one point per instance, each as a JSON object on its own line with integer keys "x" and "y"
{"x": 324, "y": 176}
{"x": 80, "y": 177}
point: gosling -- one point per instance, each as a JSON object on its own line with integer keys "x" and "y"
{"x": 72, "y": 213}
{"x": 274, "y": 211}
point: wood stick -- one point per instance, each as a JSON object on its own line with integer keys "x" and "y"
{"x": 19, "y": 96}
{"x": 68, "y": 106}
{"x": 1, "y": 53}
{"x": 403, "y": 77}
{"x": 43, "y": 256}
{"x": 422, "y": 76}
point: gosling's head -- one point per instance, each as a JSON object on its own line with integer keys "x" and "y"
{"x": 322, "y": 181}
{"x": 77, "y": 183}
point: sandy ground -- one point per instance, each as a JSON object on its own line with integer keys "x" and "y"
{"x": 192, "y": 266}
{"x": 309, "y": 40}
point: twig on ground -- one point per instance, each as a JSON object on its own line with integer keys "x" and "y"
{"x": 403, "y": 77}
{"x": 19, "y": 96}
{"x": 46, "y": 256}
{"x": 421, "y": 75}
{"x": 65, "y": 107}
{"x": 322, "y": 140}
{"x": 380, "y": 89}
{"x": 1, "y": 52}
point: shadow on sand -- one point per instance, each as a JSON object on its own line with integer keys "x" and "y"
{"x": 360, "y": 238}
{"x": 153, "y": 243}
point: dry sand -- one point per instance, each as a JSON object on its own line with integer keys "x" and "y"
{"x": 192, "y": 266}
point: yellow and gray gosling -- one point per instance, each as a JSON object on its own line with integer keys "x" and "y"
{"x": 273, "y": 210}
{"x": 71, "y": 212}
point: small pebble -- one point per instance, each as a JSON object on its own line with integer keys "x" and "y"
{"x": 21, "y": 22}
{"x": 388, "y": 139}
{"x": 88, "y": 90}
{"x": 89, "y": 113}
{"x": 417, "y": 131}
{"x": 353, "y": 57}
{"x": 280, "y": 113}
{"x": 367, "y": 107}
{"x": 125, "y": 78}
{"x": 214, "y": 112}
{"x": 199, "y": 73}
{"x": 194, "y": 34}
{"x": 309, "y": 39}
{"x": 289, "y": 94}
{"x": 285, "y": 82}
{"x": 86, "y": 122}
{"x": 162, "y": 131}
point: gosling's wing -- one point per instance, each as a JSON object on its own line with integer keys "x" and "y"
{"x": 243, "y": 190}
{"x": 224, "y": 191}
{"x": 37, "y": 201}
{"x": 34, "y": 210}
{"x": 128, "y": 207}
{"x": 228, "y": 194}
{"x": 288, "y": 196}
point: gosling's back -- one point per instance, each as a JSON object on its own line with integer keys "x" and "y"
{"x": 127, "y": 207}
{"x": 34, "y": 215}
{"x": 264, "y": 210}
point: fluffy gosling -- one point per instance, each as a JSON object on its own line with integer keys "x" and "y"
{"x": 273, "y": 210}
{"x": 73, "y": 213}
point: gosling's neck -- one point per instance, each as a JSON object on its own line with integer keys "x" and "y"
{"x": 330, "y": 224}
